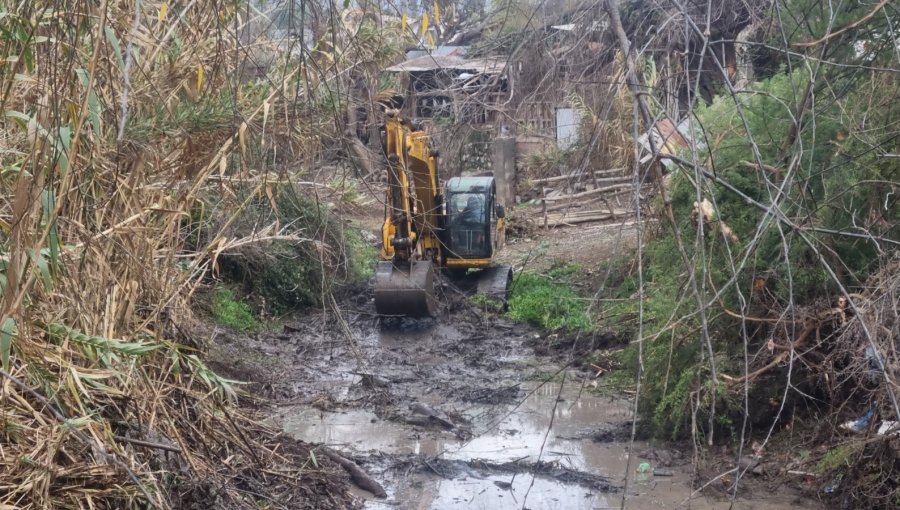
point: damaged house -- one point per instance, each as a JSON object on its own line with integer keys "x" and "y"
{"x": 462, "y": 101}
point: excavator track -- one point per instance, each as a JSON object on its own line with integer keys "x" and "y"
{"x": 405, "y": 289}
{"x": 494, "y": 281}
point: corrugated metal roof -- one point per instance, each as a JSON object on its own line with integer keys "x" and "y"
{"x": 669, "y": 137}
{"x": 436, "y": 62}
{"x": 440, "y": 51}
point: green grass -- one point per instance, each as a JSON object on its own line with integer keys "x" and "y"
{"x": 229, "y": 311}
{"x": 361, "y": 256}
{"x": 838, "y": 456}
{"x": 550, "y": 301}
{"x": 487, "y": 303}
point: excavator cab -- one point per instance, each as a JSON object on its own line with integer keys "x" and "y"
{"x": 471, "y": 234}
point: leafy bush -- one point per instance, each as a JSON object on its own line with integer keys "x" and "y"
{"x": 549, "y": 301}
{"x": 487, "y": 303}
{"x": 230, "y": 312}
{"x": 837, "y": 185}
{"x": 313, "y": 252}
{"x": 361, "y": 255}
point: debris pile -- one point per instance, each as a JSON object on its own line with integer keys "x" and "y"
{"x": 846, "y": 357}
{"x": 583, "y": 197}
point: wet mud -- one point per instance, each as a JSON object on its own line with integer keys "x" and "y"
{"x": 460, "y": 412}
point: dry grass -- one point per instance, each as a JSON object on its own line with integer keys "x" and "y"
{"x": 112, "y": 131}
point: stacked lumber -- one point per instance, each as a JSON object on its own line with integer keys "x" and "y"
{"x": 584, "y": 197}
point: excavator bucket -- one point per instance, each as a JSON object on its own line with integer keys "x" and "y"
{"x": 405, "y": 289}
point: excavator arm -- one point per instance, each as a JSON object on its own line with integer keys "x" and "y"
{"x": 404, "y": 279}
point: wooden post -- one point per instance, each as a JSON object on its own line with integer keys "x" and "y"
{"x": 544, "y": 204}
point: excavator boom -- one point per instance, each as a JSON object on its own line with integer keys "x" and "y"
{"x": 404, "y": 278}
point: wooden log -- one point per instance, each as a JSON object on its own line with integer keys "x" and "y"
{"x": 571, "y": 222}
{"x": 574, "y": 220}
{"x": 579, "y": 205}
{"x": 598, "y": 191}
{"x": 544, "y": 205}
{"x": 592, "y": 212}
{"x": 598, "y": 173}
{"x": 554, "y": 192}
{"x": 357, "y": 475}
{"x": 610, "y": 180}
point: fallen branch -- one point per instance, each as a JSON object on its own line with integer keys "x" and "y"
{"x": 851, "y": 26}
{"x": 148, "y": 444}
{"x": 598, "y": 173}
{"x": 559, "y": 207}
{"x": 357, "y": 475}
{"x": 584, "y": 217}
{"x": 800, "y": 342}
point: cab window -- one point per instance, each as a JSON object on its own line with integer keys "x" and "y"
{"x": 467, "y": 209}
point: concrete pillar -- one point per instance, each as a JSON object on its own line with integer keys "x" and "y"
{"x": 503, "y": 165}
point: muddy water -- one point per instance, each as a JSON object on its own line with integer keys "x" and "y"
{"x": 523, "y": 439}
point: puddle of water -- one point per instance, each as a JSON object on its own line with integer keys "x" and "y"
{"x": 511, "y": 435}
{"x": 484, "y": 493}
{"x": 357, "y": 431}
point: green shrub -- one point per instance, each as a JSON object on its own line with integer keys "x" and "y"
{"x": 487, "y": 303}
{"x": 837, "y": 457}
{"x": 360, "y": 254}
{"x": 549, "y": 301}
{"x": 229, "y": 311}
{"x": 838, "y": 185}
{"x": 282, "y": 275}
{"x": 286, "y": 277}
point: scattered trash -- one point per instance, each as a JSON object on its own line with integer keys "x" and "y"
{"x": 892, "y": 427}
{"x": 802, "y": 473}
{"x": 832, "y": 487}
{"x": 858, "y": 425}
{"x": 643, "y": 472}
{"x": 663, "y": 472}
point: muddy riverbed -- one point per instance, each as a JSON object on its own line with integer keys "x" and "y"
{"x": 460, "y": 412}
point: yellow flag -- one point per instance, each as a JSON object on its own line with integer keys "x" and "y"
{"x": 163, "y": 10}
{"x": 404, "y": 23}
{"x": 437, "y": 13}
{"x": 424, "y": 24}
{"x": 430, "y": 42}
{"x": 199, "y": 77}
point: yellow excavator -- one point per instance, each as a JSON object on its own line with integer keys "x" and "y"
{"x": 428, "y": 229}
